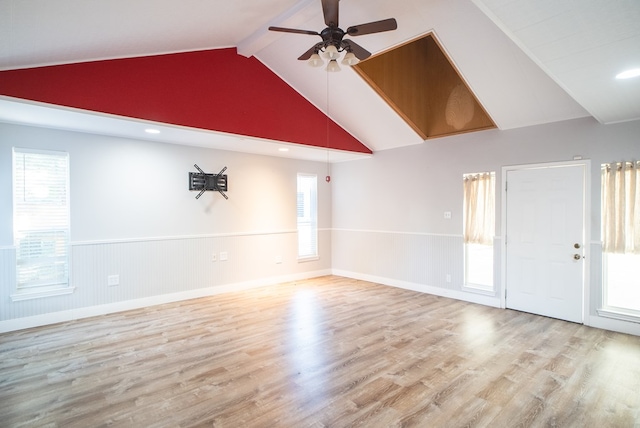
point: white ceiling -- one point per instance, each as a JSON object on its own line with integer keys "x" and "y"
{"x": 528, "y": 61}
{"x": 582, "y": 45}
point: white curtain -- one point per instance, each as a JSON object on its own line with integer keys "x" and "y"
{"x": 479, "y": 208}
{"x": 621, "y": 207}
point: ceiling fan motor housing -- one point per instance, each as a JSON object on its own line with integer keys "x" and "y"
{"x": 332, "y": 36}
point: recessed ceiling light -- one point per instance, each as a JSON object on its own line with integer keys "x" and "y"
{"x": 283, "y": 149}
{"x": 151, "y": 131}
{"x": 628, "y": 74}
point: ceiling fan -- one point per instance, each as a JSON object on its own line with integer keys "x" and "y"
{"x": 333, "y": 42}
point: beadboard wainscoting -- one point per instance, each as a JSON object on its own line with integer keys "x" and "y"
{"x": 421, "y": 262}
{"x": 7, "y": 276}
{"x": 415, "y": 261}
{"x": 161, "y": 270}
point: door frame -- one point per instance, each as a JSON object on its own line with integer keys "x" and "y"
{"x": 586, "y": 283}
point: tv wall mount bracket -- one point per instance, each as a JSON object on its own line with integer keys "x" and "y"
{"x": 202, "y": 181}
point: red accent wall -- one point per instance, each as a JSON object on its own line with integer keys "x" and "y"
{"x": 216, "y": 90}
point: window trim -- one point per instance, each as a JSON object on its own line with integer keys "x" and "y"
{"x": 489, "y": 290}
{"x": 607, "y": 310}
{"x": 40, "y": 293}
{"x": 475, "y": 287}
{"x": 45, "y": 290}
{"x": 480, "y": 289}
{"x": 314, "y": 219}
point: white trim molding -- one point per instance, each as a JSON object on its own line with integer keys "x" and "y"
{"x": 17, "y": 297}
{"x": 619, "y": 325}
{"x": 395, "y": 232}
{"x": 92, "y": 311}
{"x": 187, "y": 237}
{"x": 423, "y": 288}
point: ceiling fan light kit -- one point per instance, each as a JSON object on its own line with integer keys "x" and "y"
{"x": 331, "y": 52}
{"x": 315, "y": 61}
{"x": 350, "y": 59}
{"x": 333, "y": 42}
{"x": 332, "y": 66}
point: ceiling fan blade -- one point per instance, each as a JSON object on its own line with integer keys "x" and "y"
{"x": 315, "y": 48}
{"x": 373, "y": 27}
{"x": 293, "y": 30}
{"x": 360, "y": 52}
{"x": 330, "y": 11}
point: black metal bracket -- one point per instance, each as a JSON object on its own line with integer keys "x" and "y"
{"x": 202, "y": 181}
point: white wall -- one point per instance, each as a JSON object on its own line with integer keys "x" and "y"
{"x": 388, "y": 219}
{"x": 380, "y": 218}
{"x": 133, "y": 215}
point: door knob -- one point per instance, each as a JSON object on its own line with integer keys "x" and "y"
{"x": 576, "y": 245}
{"x": 577, "y": 256}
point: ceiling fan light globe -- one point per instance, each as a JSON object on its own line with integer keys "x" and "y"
{"x": 350, "y": 59}
{"x": 333, "y": 66}
{"x": 331, "y": 52}
{"x": 315, "y": 60}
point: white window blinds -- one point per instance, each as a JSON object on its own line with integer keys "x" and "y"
{"x": 41, "y": 218}
{"x": 621, "y": 207}
{"x": 307, "y": 214}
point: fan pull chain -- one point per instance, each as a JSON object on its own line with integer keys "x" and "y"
{"x": 328, "y": 177}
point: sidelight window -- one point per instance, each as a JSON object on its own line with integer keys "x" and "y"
{"x": 621, "y": 237}
{"x": 479, "y": 229}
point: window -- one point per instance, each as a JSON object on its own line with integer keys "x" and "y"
{"x": 479, "y": 228}
{"x": 621, "y": 237}
{"x": 41, "y": 221}
{"x": 307, "y": 208}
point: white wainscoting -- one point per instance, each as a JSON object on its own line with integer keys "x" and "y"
{"x": 414, "y": 261}
{"x": 160, "y": 270}
{"x": 422, "y": 288}
{"x": 7, "y": 276}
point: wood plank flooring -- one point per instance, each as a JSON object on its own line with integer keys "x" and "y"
{"x": 326, "y": 352}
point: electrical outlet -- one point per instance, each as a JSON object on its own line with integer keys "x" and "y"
{"x": 224, "y": 256}
{"x": 214, "y": 257}
{"x": 447, "y": 215}
{"x": 113, "y": 280}
{"x": 448, "y": 278}
{"x": 278, "y": 260}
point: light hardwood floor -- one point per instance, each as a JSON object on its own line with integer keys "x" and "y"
{"x": 327, "y": 352}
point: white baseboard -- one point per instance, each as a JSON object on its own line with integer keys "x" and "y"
{"x": 603, "y": 323}
{"x": 422, "y": 288}
{"x": 92, "y": 311}
{"x": 611, "y": 324}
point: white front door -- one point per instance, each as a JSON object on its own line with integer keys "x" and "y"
{"x": 545, "y": 239}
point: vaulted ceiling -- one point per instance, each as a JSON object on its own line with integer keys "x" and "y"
{"x": 527, "y": 62}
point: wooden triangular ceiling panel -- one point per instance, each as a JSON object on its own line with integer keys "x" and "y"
{"x": 215, "y": 90}
{"x": 419, "y": 82}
